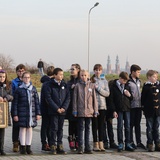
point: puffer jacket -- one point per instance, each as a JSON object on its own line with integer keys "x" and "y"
{"x": 5, "y": 93}
{"x": 84, "y": 100}
{"x": 102, "y": 92}
{"x": 20, "y": 107}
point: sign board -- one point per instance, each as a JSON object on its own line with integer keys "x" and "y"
{"x": 3, "y": 114}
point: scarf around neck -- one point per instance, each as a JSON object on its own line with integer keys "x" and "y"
{"x": 29, "y": 88}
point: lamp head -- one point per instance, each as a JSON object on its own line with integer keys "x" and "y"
{"x": 96, "y": 4}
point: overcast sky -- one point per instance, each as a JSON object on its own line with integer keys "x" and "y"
{"x": 57, "y": 32}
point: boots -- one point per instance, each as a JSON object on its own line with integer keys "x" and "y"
{"x": 101, "y": 146}
{"x": 60, "y": 149}
{"x": 76, "y": 143}
{"x": 71, "y": 143}
{"x": 15, "y": 146}
{"x": 53, "y": 149}
{"x": 2, "y": 153}
{"x": 28, "y": 149}
{"x": 23, "y": 150}
{"x": 96, "y": 147}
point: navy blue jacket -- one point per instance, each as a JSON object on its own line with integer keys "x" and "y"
{"x": 57, "y": 96}
{"x": 150, "y": 99}
{"x": 20, "y": 107}
{"x": 43, "y": 103}
{"x": 118, "y": 101}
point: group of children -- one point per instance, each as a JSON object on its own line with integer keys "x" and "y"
{"x": 82, "y": 100}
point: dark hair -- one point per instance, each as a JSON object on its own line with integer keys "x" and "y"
{"x": 76, "y": 65}
{"x": 124, "y": 75}
{"x": 8, "y": 86}
{"x": 20, "y": 66}
{"x": 50, "y": 70}
{"x": 56, "y": 70}
{"x": 96, "y": 66}
{"x": 135, "y": 68}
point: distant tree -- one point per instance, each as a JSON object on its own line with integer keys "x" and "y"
{"x": 6, "y": 62}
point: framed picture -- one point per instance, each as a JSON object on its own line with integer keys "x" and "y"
{"x": 3, "y": 114}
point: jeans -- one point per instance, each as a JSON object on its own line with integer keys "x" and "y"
{"x": 84, "y": 125}
{"x": 126, "y": 117}
{"x": 152, "y": 129}
{"x": 108, "y": 128}
{"x": 136, "y": 115}
{"x": 56, "y": 128}
{"x": 41, "y": 71}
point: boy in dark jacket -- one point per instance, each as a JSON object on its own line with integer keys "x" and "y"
{"x": 119, "y": 101}
{"x": 57, "y": 97}
{"x": 45, "y": 125}
{"x": 150, "y": 100}
{"x": 136, "y": 109}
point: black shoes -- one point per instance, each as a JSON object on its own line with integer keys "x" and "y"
{"x": 157, "y": 147}
{"x": 88, "y": 151}
{"x": 141, "y": 145}
{"x": 133, "y": 145}
{"x": 113, "y": 145}
{"x": 2, "y": 153}
{"x": 45, "y": 147}
{"x": 106, "y": 145}
{"x": 120, "y": 147}
{"x": 128, "y": 147}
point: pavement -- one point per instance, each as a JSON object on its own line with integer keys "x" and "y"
{"x": 109, "y": 154}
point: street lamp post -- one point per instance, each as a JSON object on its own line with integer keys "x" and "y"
{"x": 96, "y": 4}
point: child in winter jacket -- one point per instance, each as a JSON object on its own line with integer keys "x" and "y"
{"x": 5, "y": 96}
{"x": 84, "y": 107}
{"x": 26, "y": 111}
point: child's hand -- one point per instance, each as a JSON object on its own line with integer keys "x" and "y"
{"x": 15, "y": 118}
{"x": 38, "y": 117}
{"x": 73, "y": 85}
{"x": 115, "y": 115}
{"x": 62, "y": 110}
{"x": 126, "y": 92}
{"x": 5, "y": 99}
{"x": 59, "y": 110}
{"x": 1, "y": 99}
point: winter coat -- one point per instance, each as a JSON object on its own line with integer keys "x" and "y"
{"x": 102, "y": 92}
{"x": 84, "y": 100}
{"x": 69, "y": 114}
{"x": 5, "y": 93}
{"x": 117, "y": 100}
{"x": 15, "y": 84}
{"x": 57, "y": 96}
{"x": 40, "y": 64}
{"x": 135, "y": 90}
{"x": 150, "y": 99}
{"x": 43, "y": 103}
{"x": 20, "y": 107}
